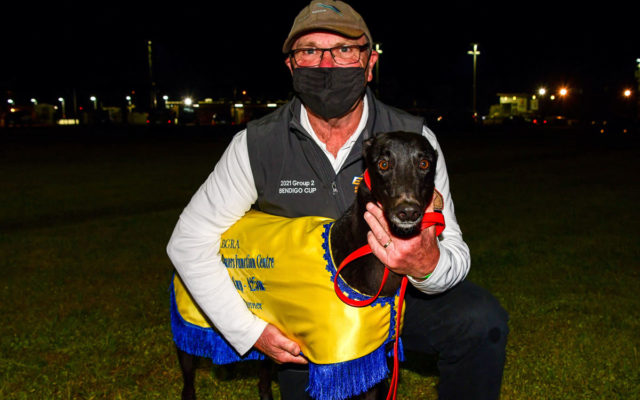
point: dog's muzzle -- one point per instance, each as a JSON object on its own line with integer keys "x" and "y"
{"x": 405, "y": 220}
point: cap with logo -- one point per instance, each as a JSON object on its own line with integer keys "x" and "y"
{"x": 327, "y": 15}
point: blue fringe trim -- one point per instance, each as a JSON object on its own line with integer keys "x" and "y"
{"x": 350, "y": 378}
{"x": 204, "y": 342}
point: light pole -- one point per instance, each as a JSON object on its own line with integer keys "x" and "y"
{"x": 628, "y": 104}
{"x": 563, "y": 92}
{"x": 95, "y": 102}
{"x": 378, "y": 50}
{"x": 542, "y": 92}
{"x": 638, "y": 78}
{"x": 475, "y": 53}
{"x": 64, "y": 114}
{"x": 152, "y": 82}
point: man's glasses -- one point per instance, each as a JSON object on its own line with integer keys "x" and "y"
{"x": 342, "y": 55}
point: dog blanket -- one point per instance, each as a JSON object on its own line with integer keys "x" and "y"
{"x": 283, "y": 269}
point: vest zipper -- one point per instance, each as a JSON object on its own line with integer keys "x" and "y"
{"x": 334, "y": 188}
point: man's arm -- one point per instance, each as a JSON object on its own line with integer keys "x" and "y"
{"x": 223, "y": 198}
{"x": 446, "y": 258}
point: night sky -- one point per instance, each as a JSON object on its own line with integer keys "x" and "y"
{"x": 208, "y": 49}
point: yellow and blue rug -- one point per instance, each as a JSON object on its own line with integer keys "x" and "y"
{"x": 284, "y": 271}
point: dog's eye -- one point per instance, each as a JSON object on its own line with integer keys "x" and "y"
{"x": 383, "y": 165}
{"x": 424, "y": 164}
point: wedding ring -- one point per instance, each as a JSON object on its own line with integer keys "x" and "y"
{"x": 387, "y": 244}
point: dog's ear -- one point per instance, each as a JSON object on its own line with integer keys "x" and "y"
{"x": 366, "y": 145}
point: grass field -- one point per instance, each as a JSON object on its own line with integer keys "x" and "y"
{"x": 551, "y": 219}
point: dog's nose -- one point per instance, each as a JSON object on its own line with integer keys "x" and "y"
{"x": 408, "y": 213}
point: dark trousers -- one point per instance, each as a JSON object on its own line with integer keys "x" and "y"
{"x": 465, "y": 326}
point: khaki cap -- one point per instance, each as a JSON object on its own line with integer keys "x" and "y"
{"x": 327, "y": 15}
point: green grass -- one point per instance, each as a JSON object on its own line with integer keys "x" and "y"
{"x": 551, "y": 221}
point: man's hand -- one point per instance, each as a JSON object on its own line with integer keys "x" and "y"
{"x": 278, "y": 347}
{"x": 416, "y": 256}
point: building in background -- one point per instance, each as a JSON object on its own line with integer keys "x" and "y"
{"x": 513, "y": 107}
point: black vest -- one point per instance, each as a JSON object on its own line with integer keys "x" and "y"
{"x": 292, "y": 174}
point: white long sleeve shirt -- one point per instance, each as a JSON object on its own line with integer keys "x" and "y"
{"x": 227, "y": 194}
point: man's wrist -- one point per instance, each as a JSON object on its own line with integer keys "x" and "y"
{"x": 421, "y": 279}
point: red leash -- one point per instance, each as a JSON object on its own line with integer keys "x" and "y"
{"x": 393, "y": 387}
{"x": 429, "y": 219}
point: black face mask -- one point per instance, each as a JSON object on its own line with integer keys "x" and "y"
{"x": 329, "y": 92}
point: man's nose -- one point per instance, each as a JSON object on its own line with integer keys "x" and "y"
{"x": 327, "y": 60}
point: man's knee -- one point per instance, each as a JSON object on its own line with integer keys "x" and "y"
{"x": 463, "y": 317}
{"x": 482, "y": 317}
{"x": 481, "y": 322}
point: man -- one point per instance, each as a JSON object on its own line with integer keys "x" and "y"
{"x": 317, "y": 139}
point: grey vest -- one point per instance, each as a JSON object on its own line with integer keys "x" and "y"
{"x": 293, "y": 176}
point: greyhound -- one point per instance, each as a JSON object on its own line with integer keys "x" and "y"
{"x": 401, "y": 171}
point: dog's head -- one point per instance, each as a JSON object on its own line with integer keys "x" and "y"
{"x": 402, "y": 169}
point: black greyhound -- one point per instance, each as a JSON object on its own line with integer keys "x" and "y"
{"x": 401, "y": 168}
